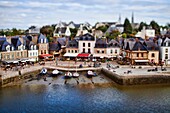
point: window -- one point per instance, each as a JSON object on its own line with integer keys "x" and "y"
{"x": 21, "y": 54}
{"x": 30, "y": 54}
{"x": 18, "y": 54}
{"x": 102, "y": 51}
{"x": 83, "y": 50}
{"x": 111, "y": 51}
{"x": 75, "y": 51}
{"x": 12, "y": 55}
{"x": 98, "y": 51}
{"x": 33, "y": 54}
{"x": 72, "y": 51}
{"x": 166, "y": 50}
{"x": 141, "y": 54}
{"x": 68, "y": 51}
{"x": 153, "y": 55}
{"x": 137, "y": 54}
{"x": 83, "y": 44}
{"x": 168, "y": 43}
{"x": 166, "y": 56}
{"x": 44, "y": 51}
{"x": 89, "y": 51}
{"x": 115, "y": 51}
{"x": 8, "y": 57}
{"x": 88, "y": 44}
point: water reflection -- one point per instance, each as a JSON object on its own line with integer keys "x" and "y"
{"x": 71, "y": 98}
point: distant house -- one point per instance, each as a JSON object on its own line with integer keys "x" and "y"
{"x": 13, "y": 50}
{"x": 153, "y": 51}
{"x": 72, "y": 49}
{"x": 146, "y": 33}
{"x": 115, "y": 27}
{"x": 33, "y": 30}
{"x": 61, "y": 29}
{"x": 86, "y": 43}
{"x": 136, "y": 52}
{"x": 100, "y": 49}
{"x": 54, "y": 48}
{"x": 82, "y": 30}
{"x": 165, "y": 50}
{"x": 43, "y": 46}
{"x": 32, "y": 48}
{"x": 113, "y": 49}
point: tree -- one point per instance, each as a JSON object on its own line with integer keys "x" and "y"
{"x": 73, "y": 32}
{"x": 47, "y": 30}
{"x": 103, "y": 28}
{"x": 127, "y": 27}
{"x": 142, "y": 24}
{"x": 124, "y": 35}
{"x": 155, "y": 26}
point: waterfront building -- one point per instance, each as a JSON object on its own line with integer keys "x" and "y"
{"x": 153, "y": 51}
{"x": 136, "y": 51}
{"x": 32, "y": 48}
{"x": 165, "y": 50}
{"x": 72, "y": 49}
{"x": 113, "y": 49}
{"x": 55, "y": 49}
{"x": 43, "y": 46}
{"x": 86, "y": 43}
{"x": 12, "y": 49}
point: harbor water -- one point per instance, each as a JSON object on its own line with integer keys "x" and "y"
{"x": 83, "y": 99}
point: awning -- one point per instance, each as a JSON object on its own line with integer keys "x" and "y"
{"x": 141, "y": 60}
{"x": 12, "y": 61}
{"x": 45, "y": 56}
{"x": 70, "y": 54}
{"x": 100, "y": 55}
{"x": 83, "y": 55}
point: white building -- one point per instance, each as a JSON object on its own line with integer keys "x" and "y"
{"x": 146, "y": 33}
{"x": 86, "y": 44}
{"x": 165, "y": 50}
{"x": 113, "y": 49}
{"x": 33, "y": 53}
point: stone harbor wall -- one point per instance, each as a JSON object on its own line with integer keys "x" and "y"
{"x": 137, "y": 80}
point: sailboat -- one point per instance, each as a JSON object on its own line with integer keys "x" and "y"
{"x": 90, "y": 74}
{"x": 76, "y": 75}
{"x": 43, "y": 71}
{"x": 55, "y": 72}
{"x": 68, "y": 74}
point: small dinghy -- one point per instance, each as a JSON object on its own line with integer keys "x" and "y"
{"x": 43, "y": 71}
{"x": 76, "y": 75}
{"x": 90, "y": 74}
{"x": 68, "y": 75}
{"x": 55, "y": 72}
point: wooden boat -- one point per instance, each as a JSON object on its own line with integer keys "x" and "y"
{"x": 68, "y": 75}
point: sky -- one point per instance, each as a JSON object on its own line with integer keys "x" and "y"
{"x": 21, "y": 14}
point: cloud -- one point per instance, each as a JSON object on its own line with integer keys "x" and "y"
{"x": 23, "y": 13}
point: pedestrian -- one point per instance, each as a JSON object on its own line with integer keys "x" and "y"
{"x": 19, "y": 72}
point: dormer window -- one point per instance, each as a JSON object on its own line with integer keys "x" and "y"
{"x": 45, "y": 40}
{"x": 35, "y": 47}
{"x": 8, "y": 48}
{"x": 41, "y": 40}
{"x": 32, "y": 47}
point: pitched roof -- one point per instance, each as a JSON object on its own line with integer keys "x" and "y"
{"x": 87, "y": 37}
{"x": 61, "y": 30}
{"x": 62, "y": 41}
{"x": 54, "y": 46}
{"x": 151, "y": 45}
{"x": 72, "y": 44}
{"x": 139, "y": 46}
{"x": 15, "y": 42}
{"x": 100, "y": 43}
{"x": 41, "y": 36}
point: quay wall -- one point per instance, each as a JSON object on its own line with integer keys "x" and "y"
{"x": 137, "y": 80}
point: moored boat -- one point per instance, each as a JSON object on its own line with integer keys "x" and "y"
{"x": 68, "y": 75}
{"x": 76, "y": 75}
{"x": 55, "y": 72}
{"x": 43, "y": 71}
{"x": 90, "y": 74}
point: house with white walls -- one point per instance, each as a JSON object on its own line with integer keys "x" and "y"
{"x": 144, "y": 33}
{"x": 165, "y": 50}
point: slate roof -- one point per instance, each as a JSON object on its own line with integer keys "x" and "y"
{"x": 113, "y": 43}
{"x": 61, "y": 30}
{"x": 139, "y": 46}
{"x": 87, "y": 37}
{"x": 101, "y": 43}
{"x": 2, "y": 40}
{"x": 62, "y": 41}
{"x": 41, "y": 36}
{"x": 54, "y": 46}
{"x": 151, "y": 45}
{"x": 72, "y": 44}
{"x": 15, "y": 42}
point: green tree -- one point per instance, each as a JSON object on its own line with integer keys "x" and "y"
{"x": 127, "y": 27}
{"x": 103, "y": 28}
{"x": 142, "y": 24}
{"x": 124, "y": 35}
{"x": 73, "y": 32}
{"x": 47, "y": 30}
{"x": 155, "y": 26}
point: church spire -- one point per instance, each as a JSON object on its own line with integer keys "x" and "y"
{"x": 132, "y": 18}
{"x": 119, "y": 19}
